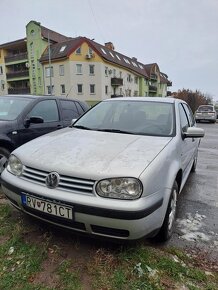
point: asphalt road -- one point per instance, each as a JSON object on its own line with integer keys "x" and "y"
{"x": 197, "y": 221}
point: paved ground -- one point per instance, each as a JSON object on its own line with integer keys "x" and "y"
{"x": 197, "y": 223}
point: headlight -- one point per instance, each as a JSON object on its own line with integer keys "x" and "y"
{"x": 14, "y": 165}
{"x": 120, "y": 188}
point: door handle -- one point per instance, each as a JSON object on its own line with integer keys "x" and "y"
{"x": 60, "y": 126}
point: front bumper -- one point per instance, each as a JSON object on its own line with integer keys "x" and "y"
{"x": 129, "y": 222}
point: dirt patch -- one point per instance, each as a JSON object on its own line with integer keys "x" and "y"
{"x": 48, "y": 275}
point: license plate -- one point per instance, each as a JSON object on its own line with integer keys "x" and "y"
{"x": 48, "y": 207}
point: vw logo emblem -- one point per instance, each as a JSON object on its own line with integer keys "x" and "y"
{"x": 52, "y": 179}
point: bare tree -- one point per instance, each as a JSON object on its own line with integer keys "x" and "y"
{"x": 194, "y": 99}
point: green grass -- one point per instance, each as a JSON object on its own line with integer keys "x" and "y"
{"x": 25, "y": 250}
{"x": 69, "y": 279}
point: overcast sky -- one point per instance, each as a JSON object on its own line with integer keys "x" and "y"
{"x": 181, "y": 36}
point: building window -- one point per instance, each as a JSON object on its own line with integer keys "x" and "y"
{"x": 50, "y": 92}
{"x": 106, "y": 71}
{"x": 136, "y": 80}
{"x": 79, "y": 69}
{"x": 106, "y": 90}
{"x": 62, "y": 89}
{"x": 31, "y": 49}
{"x": 39, "y": 81}
{"x": 91, "y": 69}
{"x": 90, "y": 51}
{"x": 61, "y": 70}
{"x": 63, "y": 48}
{"x": 78, "y": 51}
{"x": 120, "y": 74}
{"x": 49, "y": 72}
{"x": 92, "y": 89}
{"x": 114, "y": 72}
{"x": 129, "y": 78}
{"x": 135, "y": 93}
{"x": 1, "y": 70}
{"x": 79, "y": 88}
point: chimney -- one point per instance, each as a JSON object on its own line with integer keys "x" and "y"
{"x": 109, "y": 45}
{"x": 134, "y": 58}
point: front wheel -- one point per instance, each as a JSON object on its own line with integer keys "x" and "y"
{"x": 166, "y": 230}
{"x": 4, "y": 155}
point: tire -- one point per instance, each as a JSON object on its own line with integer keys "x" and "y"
{"x": 166, "y": 230}
{"x": 4, "y": 155}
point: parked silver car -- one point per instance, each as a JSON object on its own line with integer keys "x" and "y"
{"x": 116, "y": 172}
{"x": 206, "y": 113}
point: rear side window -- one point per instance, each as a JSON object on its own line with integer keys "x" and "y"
{"x": 46, "y": 109}
{"x": 69, "y": 110}
{"x": 80, "y": 109}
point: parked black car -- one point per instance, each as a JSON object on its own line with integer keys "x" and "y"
{"x": 25, "y": 117}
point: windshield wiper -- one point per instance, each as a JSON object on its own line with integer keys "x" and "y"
{"x": 115, "y": 131}
{"x": 81, "y": 127}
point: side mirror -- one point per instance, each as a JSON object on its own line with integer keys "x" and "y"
{"x": 194, "y": 132}
{"x": 33, "y": 120}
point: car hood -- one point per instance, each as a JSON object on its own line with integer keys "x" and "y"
{"x": 6, "y": 126}
{"x": 91, "y": 154}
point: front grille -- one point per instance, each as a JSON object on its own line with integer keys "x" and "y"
{"x": 67, "y": 183}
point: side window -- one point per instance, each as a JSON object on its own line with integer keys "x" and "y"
{"x": 183, "y": 118}
{"x": 80, "y": 109}
{"x": 69, "y": 110}
{"x": 47, "y": 110}
{"x": 189, "y": 114}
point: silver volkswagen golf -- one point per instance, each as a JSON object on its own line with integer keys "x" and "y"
{"x": 116, "y": 172}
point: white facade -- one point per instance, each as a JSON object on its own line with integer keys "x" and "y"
{"x": 89, "y": 81}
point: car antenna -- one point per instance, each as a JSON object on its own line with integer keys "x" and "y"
{"x": 69, "y": 91}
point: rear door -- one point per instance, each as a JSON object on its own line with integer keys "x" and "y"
{"x": 46, "y": 109}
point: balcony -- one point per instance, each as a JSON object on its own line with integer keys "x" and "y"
{"x": 116, "y": 81}
{"x": 17, "y": 74}
{"x": 116, "y": 96}
{"x": 17, "y": 91}
{"x": 17, "y": 57}
{"x": 152, "y": 89}
{"x": 153, "y": 77}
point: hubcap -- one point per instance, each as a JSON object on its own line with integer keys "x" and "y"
{"x": 3, "y": 162}
{"x": 172, "y": 214}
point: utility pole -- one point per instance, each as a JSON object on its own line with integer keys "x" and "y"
{"x": 49, "y": 59}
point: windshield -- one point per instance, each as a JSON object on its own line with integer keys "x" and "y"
{"x": 131, "y": 117}
{"x": 11, "y": 107}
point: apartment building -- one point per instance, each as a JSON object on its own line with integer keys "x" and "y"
{"x": 14, "y": 73}
{"x": 46, "y": 62}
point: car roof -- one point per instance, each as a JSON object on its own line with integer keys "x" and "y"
{"x": 145, "y": 99}
{"x": 40, "y": 96}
